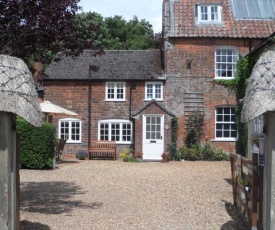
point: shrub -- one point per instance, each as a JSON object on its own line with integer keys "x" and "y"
{"x": 208, "y": 152}
{"x": 202, "y": 152}
{"x": 37, "y": 144}
{"x": 221, "y": 156}
{"x": 126, "y": 154}
{"x": 82, "y": 155}
{"x": 184, "y": 152}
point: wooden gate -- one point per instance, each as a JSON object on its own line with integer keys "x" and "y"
{"x": 247, "y": 181}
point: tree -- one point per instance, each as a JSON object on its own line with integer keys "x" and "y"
{"x": 37, "y": 29}
{"x": 123, "y": 35}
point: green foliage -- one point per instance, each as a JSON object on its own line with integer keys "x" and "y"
{"x": 37, "y": 145}
{"x": 244, "y": 69}
{"x": 194, "y": 126}
{"x": 208, "y": 152}
{"x": 172, "y": 147}
{"x": 33, "y": 29}
{"x": 134, "y": 160}
{"x": 125, "y": 155}
{"x": 244, "y": 182}
{"x": 118, "y": 34}
{"x": 205, "y": 152}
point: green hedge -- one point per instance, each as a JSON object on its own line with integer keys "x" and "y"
{"x": 37, "y": 145}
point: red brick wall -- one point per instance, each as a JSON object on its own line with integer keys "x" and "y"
{"x": 74, "y": 96}
{"x": 180, "y": 80}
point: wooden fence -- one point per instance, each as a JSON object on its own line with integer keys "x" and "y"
{"x": 247, "y": 177}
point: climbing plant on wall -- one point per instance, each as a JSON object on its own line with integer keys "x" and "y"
{"x": 175, "y": 155}
{"x": 239, "y": 85}
{"x": 194, "y": 128}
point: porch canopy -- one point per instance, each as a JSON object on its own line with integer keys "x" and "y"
{"x": 51, "y": 109}
{"x": 260, "y": 92}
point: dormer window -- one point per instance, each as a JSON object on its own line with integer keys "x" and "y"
{"x": 208, "y": 13}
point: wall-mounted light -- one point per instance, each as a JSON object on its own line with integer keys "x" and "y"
{"x": 188, "y": 64}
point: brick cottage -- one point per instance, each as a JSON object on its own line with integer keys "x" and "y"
{"x": 136, "y": 94}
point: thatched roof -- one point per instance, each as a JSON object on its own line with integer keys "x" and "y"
{"x": 113, "y": 65}
{"x": 260, "y": 93}
{"x": 17, "y": 90}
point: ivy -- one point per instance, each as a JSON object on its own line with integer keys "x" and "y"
{"x": 175, "y": 155}
{"x": 239, "y": 85}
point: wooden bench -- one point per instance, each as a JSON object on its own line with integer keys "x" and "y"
{"x": 102, "y": 149}
{"x": 59, "y": 149}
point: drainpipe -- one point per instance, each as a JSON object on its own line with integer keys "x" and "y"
{"x": 133, "y": 86}
{"x": 89, "y": 107}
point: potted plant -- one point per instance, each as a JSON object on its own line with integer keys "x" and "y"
{"x": 166, "y": 156}
{"x": 254, "y": 139}
{"x": 82, "y": 155}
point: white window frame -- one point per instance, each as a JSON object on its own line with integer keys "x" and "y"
{"x": 154, "y": 83}
{"x": 225, "y": 123}
{"x": 115, "y": 88}
{"x": 226, "y": 58}
{"x": 258, "y": 125}
{"x": 70, "y": 121}
{"x": 208, "y": 13}
{"x": 119, "y": 122}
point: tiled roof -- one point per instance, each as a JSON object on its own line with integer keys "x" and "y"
{"x": 185, "y": 26}
{"x": 113, "y": 65}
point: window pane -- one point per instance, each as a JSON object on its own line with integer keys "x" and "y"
{"x": 226, "y": 62}
{"x": 115, "y": 91}
{"x": 153, "y": 90}
{"x": 225, "y": 123}
{"x": 149, "y": 91}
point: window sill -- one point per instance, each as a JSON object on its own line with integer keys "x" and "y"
{"x": 224, "y": 78}
{"x": 123, "y": 143}
{"x": 223, "y": 140}
{"x": 116, "y": 100}
{"x": 153, "y": 99}
{"x": 74, "y": 142}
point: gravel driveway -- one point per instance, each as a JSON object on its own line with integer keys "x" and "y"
{"x": 119, "y": 195}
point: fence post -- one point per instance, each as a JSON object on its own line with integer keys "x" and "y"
{"x": 261, "y": 187}
{"x": 233, "y": 174}
{"x": 254, "y": 199}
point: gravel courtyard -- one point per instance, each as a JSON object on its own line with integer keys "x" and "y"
{"x": 119, "y": 195}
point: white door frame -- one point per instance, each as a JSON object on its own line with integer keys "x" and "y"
{"x": 152, "y": 136}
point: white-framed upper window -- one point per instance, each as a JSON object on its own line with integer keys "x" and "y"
{"x": 225, "y": 123}
{"x": 115, "y": 91}
{"x": 70, "y": 129}
{"x": 209, "y": 13}
{"x": 154, "y": 90}
{"x": 226, "y": 58}
{"x": 115, "y": 130}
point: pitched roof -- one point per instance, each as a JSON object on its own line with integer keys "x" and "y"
{"x": 113, "y": 65}
{"x": 153, "y": 101}
{"x": 184, "y": 11}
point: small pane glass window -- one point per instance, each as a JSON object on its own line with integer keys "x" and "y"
{"x": 70, "y": 129}
{"x": 115, "y": 91}
{"x": 153, "y": 90}
{"x": 225, "y": 123}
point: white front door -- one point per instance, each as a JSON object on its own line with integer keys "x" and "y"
{"x": 153, "y": 139}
